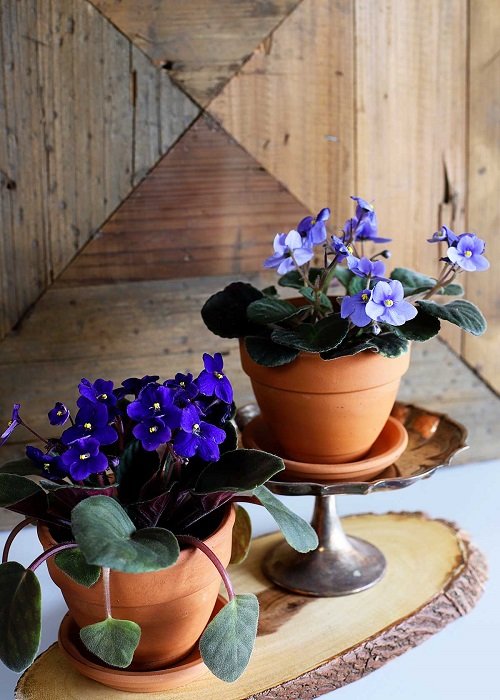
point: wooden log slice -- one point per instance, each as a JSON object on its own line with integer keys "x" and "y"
{"x": 310, "y": 646}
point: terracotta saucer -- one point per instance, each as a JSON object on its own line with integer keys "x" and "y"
{"x": 185, "y": 671}
{"x": 390, "y": 444}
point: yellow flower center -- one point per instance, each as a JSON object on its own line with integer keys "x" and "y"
{"x": 388, "y": 302}
{"x": 153, "y": 429}
{"x": 85, "y": 456}
{"x": 196, "y": 427}
{"x": 103, "y": 397}
{"x": 350, "y": 249}
{"x": 182, "y": 384}
{"x": 59, "y": 413}
{"x": 46, "y": 465}
{"x": 218, "y": 375}
{"x": 10, "y": 423}
{"x": 87, "y": 426}
{"x": 365, "y": 297}
{"x": 468, "y": 253}
{"x": 156, "y": 406}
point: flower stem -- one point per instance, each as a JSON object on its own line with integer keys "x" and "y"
{"x": 107, "y": 592}
{"x": 13, "y": 534}
{"x": 52, "y": 551}
{"x": 195, "y": 542}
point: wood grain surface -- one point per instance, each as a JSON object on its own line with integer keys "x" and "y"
{"x": 201, "y": 43}
{"x": 309, "y": 646}
{"x": 483, "y": 214}
{"x": 292, "y": 105}
{"x": 207, "y": 208}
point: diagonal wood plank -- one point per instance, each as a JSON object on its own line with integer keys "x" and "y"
{"x": 202, "y": 43}
{"x": 206, "y": 208}
{"x": 483, "y": 216}
{"x": 75, "y": 135}
{"x": 292, "y": 104}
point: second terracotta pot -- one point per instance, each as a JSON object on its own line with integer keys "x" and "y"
{"x": 172, "y": 606}
{"x": 326, "y": 411}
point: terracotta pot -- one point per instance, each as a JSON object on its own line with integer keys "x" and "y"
{"x": 172, "y": 606}
{"x": 326, "y": 411}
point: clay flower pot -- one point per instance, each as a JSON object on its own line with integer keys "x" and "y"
{"x": 172, "y": 606}
{"x": 326, "y": 411}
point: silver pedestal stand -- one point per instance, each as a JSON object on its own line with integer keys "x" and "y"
{"x": 343, "y": 564}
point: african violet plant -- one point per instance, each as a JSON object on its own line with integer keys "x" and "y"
{"x": 373, "y": 312}
{"x": 141, "y": 471}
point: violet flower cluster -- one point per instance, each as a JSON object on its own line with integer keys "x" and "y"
{"x": 182, "y": 416}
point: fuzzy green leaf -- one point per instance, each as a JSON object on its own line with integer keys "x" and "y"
{"x": 421, "y": 328}
{"x": 225, "y": 313}
{"x": 14, "y": 488}
{"x": 112, "y": 641}
{"x": 264, "y": 352}
{"x": 452, "y": 290}
{"x": 242, "y": 536}
{"x": 294, "y": 278}
{"x": 21, "y": 467}
{"x": 353, "y": 348}
{"x": 460, "y": 312}
{"x": 344, "y": 275}
{"x": 318, "y": 337}
{"x": 20, "y": 616}
{"x": 231, "y": 441}
{"x": 324, "y": 302}
{"x": 271, "y": 310}
{"x": 297, "y": 532}
{"x": 412, "y": 281}
{"x": 74, "y": 565}
{"x": 107, "y": 537}
{"x": 390, "y": 345}
{"x": 227, "y": 643}
{"x": 357, "y": 284}
{"x": 239, "y": 470}
{"x": 270, "y": 291}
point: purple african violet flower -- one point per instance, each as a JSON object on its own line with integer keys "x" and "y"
{"x": 364, "y": 267}
{"x": 49, "y": 464}
{"x": 59, "y": 414}
{"x": 341, "y": 250}
{"x": 152, "y": 432}
{"x": 91, "y": 421}
{"x": 212, "y": 381}
{"x": 155, "y": 401}
{"x": 134, "y": 386}
{"x": 285, "y": 246}
{"x": 83, "y": 458}
{"x": 198, "y": 437}
{"x": 15, "y": 420}
{"x": 185, "y": 388}
{"x": 354, "y": 308}
{"x": 444, "y": 234}
{"x": 101, "y": 391}
{"x": 365, "y": 222}
{"x": 387, "y": 304}
{"x": 468, "y": 253}
{"x": 314, "y": 229}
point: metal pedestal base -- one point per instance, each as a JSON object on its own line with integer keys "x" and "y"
{"x": 341, "y": 565}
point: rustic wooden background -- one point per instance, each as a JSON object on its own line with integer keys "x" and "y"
{"x": 146, "y": 148}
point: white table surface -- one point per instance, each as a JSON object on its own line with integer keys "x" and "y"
{"x": 460, "y": 662}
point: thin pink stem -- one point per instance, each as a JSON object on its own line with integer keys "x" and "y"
{"x": 10, "y": 538}
{"x": 107, "y": 593}
{"x": 51, "y": 552}
{"x": 195, "y": 542}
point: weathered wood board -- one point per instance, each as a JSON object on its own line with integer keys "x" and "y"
{"x": 309, "y": 646}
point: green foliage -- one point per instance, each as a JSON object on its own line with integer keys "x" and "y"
{"x": 238, "y": 471}
{"x": 14, "y": 488}
{"x": 390, "y": 345}
{"x": 21, "y": 467}
{"x": 20, "y": 616}
{"x": 227, "y": 643}
{"x": 112, "y": 641}
{"x": 325, "y": 305}
{"x": 225, "y": 313}
{"x": 271, "y": 310}
{"x": 452, "y": 290}
{"x": 344, "y": 275}
{"x": 460, "y": 312}
{"x": 297, "y": 532}
{"x": 231, "y": 441}
{"x": 107, "y": 537}
{"x": 74, "y": 565}
{"x": 265, "y": 352}
{"x": 352, "y": 348}
{"x": 421, "y": 328}
{"x": 357, "y": 284}
{"x": 242, "y": 536}
{"x": 319, "y": 337}
{"x": 294, "y": 278}
{"x": 413, "y": 282}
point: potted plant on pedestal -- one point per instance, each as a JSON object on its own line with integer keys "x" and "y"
{"x": 325, "y": 366}
{"x": 135, "y": 512}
